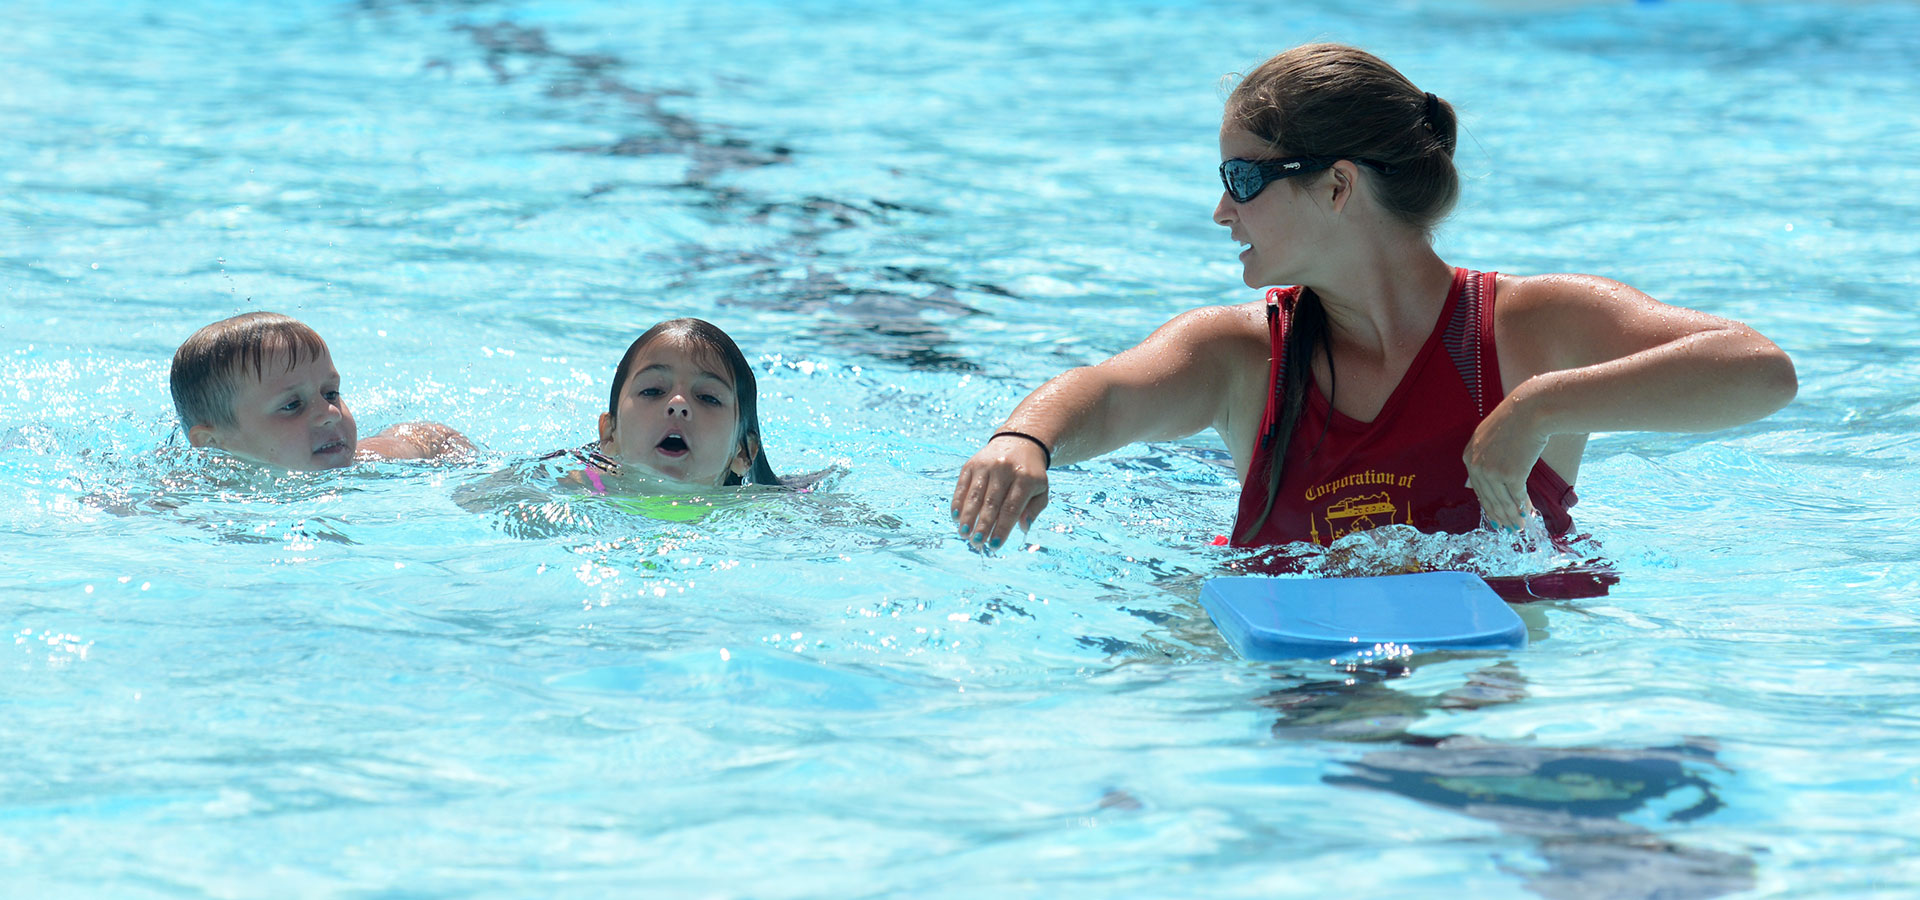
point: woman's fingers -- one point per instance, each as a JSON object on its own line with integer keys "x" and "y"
{"x": 976, "y": 497}
{"x": 1496, "y": 503}
{"x": 998, "y": 489}
{"x": 1498, "y": 458}
{"x": 1002, "y": 506}
{"x": 966, "y": 493}
{"x": 1012, "y": 504}
{"x": 1032, "y": 512}
{"x": 1503, "y": 500}
{"x": 987, "y": 509}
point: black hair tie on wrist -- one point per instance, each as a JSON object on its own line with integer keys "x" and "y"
{"x": 1044, "y": 449}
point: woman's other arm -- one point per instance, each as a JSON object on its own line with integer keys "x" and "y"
{"x": 1584, "y": 354}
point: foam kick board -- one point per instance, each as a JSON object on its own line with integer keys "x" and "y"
{"x": 1267, "y": 618}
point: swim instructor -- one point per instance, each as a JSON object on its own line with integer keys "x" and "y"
{"x": 1380, "y": 385}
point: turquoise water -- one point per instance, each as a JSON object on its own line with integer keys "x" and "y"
{"x": 909, "y": 215}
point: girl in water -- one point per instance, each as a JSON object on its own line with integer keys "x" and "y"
{"x": 682, "y": 419}
{"x": 683, "y": 408}
{"x": 1381, "y": 385}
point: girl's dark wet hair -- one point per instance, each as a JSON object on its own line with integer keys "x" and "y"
{"x": 1342, "y": 102}
{"x": 702, "y": 333}
{"x": 206, "y": 364}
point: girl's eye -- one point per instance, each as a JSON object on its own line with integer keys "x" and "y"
{"x": 649, "y": 392}
{"x": 709, "y": 399}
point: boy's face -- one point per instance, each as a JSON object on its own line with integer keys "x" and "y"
{"x": 291, "y": 418}
{"x": 677, "y": 416}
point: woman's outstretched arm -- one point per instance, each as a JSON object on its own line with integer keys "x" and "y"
{"x": 1202, "y": 368}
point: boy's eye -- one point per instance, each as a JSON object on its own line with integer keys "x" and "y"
{"x": 291, "y": 405}
{"x": 333, "y": 396}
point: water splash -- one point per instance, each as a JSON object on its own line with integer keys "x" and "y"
{"x": 1520, "y": 565}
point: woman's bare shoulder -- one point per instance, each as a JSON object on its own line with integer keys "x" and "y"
{"x": 1240, "y": 326}
{"x": 1562, "y": 320}
{"x": 1544, "y": 293}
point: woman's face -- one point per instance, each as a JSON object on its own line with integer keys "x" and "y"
{"x": 678, "y": 415}
{"x": 1276, "y": 226}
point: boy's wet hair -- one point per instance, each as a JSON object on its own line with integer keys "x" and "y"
{"x": 708, "y": 336}
{"x": 205, "y": 366}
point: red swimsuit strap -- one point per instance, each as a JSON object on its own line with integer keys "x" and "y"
{"x": 1279, "y": 311}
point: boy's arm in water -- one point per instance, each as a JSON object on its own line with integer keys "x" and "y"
{"x": 1190, "y": 373}
{"x": 1580, "y": 354}
{"x": 416, "y": 440}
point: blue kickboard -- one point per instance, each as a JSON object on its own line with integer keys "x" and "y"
{"x": 1307, "y": 618}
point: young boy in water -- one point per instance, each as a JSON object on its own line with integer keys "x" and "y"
{"x": 262, "y": 387}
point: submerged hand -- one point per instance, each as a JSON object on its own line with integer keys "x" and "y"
{"x": 1002, "y": 485}
{"x": 1499, "y": 458}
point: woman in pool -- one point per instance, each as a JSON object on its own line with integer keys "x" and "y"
{"x": 683, "y": 408}
{"x": 1384, "y": 385}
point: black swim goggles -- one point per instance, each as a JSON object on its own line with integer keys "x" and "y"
{"x": 1246, "y": 178}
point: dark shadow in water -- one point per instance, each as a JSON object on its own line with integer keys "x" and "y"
{"x": 1569, "y": 801}
{"x": 896, "y": 326}
{"x": 872, "y": 321}
{"x": 511, "y": 51}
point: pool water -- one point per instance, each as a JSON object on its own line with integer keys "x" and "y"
{"x": 909, "y": 215}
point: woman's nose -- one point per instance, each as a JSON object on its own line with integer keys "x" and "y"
{"x": 1224, "y": 210}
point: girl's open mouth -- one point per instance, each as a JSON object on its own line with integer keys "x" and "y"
{"x": 672, "y": 445}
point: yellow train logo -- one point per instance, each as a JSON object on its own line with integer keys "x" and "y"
{"x": 1354, "y": 514}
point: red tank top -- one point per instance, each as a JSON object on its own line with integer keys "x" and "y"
{"x": 1404, "y": 467}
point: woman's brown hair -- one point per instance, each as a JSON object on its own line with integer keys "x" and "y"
{"x": 1341, "y": 102}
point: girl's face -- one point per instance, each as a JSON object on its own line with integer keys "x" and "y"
{"x": 678, "y": 415}
{"x": 1276, "y": 225}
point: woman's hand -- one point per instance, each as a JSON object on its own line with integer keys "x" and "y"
{"x": 1185, "y": 376}
{"x": 1499, "y": 458}
{"x": 1002, "y": 485}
